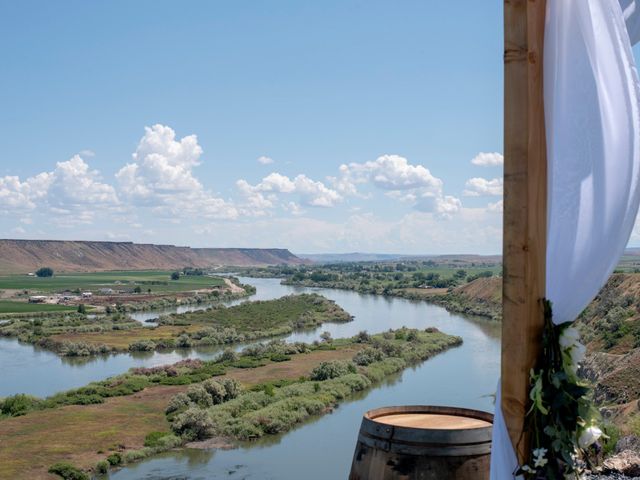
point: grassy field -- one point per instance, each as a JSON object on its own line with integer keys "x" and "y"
{"x": 7, "y": 306}
{"x": 159, "y": 281}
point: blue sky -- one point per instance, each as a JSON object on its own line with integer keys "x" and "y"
{"x": 370, "y": 113}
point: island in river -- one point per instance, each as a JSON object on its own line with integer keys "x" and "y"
{"x": 266, "y": 389}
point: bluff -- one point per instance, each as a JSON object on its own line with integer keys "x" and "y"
{"x": 22, "y": 256}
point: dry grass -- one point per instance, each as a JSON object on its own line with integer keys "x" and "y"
{"x": 29, "y": 445}
{"x": 425, "y": 292}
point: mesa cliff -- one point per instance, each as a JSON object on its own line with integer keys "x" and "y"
{"x": 23, "y": 256}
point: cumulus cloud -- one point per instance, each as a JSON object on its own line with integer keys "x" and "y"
{"x": 18, "y": 195}
{"x": 70, "y": 189}
{"x": 264, "y": 160}
{"x": 488, "y": 159}
{"x": 312, "y": 193}
{"x": 161, "y": 176}
{"x": 476, "y": 187}
{"x": 445, "y": 206}
{"x": 388, "y": 172}
{"x": 403, "y": 181}
{"x": 73, "y": 183}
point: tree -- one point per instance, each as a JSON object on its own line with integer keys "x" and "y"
{"x": 82, "y": 308}
{"x": 175, "y": 276}
{"x": 44, "y": 272}
{"x": 137, "y": 289}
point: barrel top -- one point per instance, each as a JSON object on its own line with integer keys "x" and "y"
{"x": 432, "y": 421}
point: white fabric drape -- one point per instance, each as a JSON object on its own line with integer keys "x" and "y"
{"x": 593, "y": 155}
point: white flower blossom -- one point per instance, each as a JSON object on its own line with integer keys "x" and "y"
{"x": 569, "y": 337}
{"x": 589, "y": 436}
{"x": 570, "y": 342}
{"x": 539, "y": 460}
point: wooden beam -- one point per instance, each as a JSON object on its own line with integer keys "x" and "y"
{"x": 525, "y": 208}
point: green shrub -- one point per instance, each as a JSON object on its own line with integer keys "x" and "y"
{"x": 200, "y": 396}
{"x": 232, "y": 388}
{"x": 142, "y": 346}
{"x": 102, "y": 466}
{"x": 363, "y": 337}
{"x": 228, "y": 356}
{"x": 17, "y": 405}
{"x": 114, "y": 459}
{"x": 193, "y": 424}
{"x": 216, "y": 390}
{"x": 368, "y": 355}
{"x": 68, "y": 471}
{"x": 331, "y": 369}
{"x": 152, "y": 439}
{"x": 279, "y": 357}
{"x": 246, "y": 362}
{"x": 178, "y": 402}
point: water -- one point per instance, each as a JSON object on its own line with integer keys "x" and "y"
{"x": 321, "y": 448}
{"x": 32, "y": 370}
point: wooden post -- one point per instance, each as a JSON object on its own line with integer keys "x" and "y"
{"x": 525, "y": 209}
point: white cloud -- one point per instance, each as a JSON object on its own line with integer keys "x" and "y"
{"x": 469, "y": 231}
{"x": 294, "y": 209}
{"x": 70, "y": 189}
{"x": 18, "y": 195}
{"x": 162, "y": 165}
{"x": 496, "y": 207}
{"x": 445, "y": 206}
{"x": 73, "y": 184}
{"x": 413, "y": 184}
{"x": 477, "y": 186}
{"x": 311, "y": 192}
{"x": 488, "y": 159}
{"x": 264, "y": 160}
{"x": 161, "y": 176}
{"x": 314, "y": 193}
{"x": 388, "y": 172}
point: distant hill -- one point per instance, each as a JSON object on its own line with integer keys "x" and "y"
{"x": 390, "y": 257}
{"x": 349, "y": 257}
{"x": 22, "y": 256}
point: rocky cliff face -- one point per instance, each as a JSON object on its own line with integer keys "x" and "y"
{"x": 22, "y": 256}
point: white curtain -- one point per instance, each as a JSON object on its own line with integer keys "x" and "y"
{"x": 593, "y": 153}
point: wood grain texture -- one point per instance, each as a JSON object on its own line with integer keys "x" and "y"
{"x": 525, "y": 207}
{"x": 455, "y": 445}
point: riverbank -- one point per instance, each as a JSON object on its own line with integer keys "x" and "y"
{"x": 480, "y": 297}
{"x": 82, "y": 335}
{"x": 84, "y": 435}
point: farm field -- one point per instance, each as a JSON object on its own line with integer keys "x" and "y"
{"x": 159, "y": 281}
{"x": 8, "y": 306}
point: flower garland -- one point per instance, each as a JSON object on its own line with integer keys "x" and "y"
{"x": 562, "y": 418}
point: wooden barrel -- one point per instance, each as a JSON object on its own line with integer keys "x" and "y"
{"x": 423, "y": 443}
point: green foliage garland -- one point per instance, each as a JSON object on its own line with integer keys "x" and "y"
{"x": 561, "y": 415}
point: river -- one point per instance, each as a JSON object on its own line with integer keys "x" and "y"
{"x": 321, "y": 448}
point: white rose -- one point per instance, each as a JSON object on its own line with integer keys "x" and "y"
{"x": 589, "y": 437}
{"x": 569, "y": 337}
